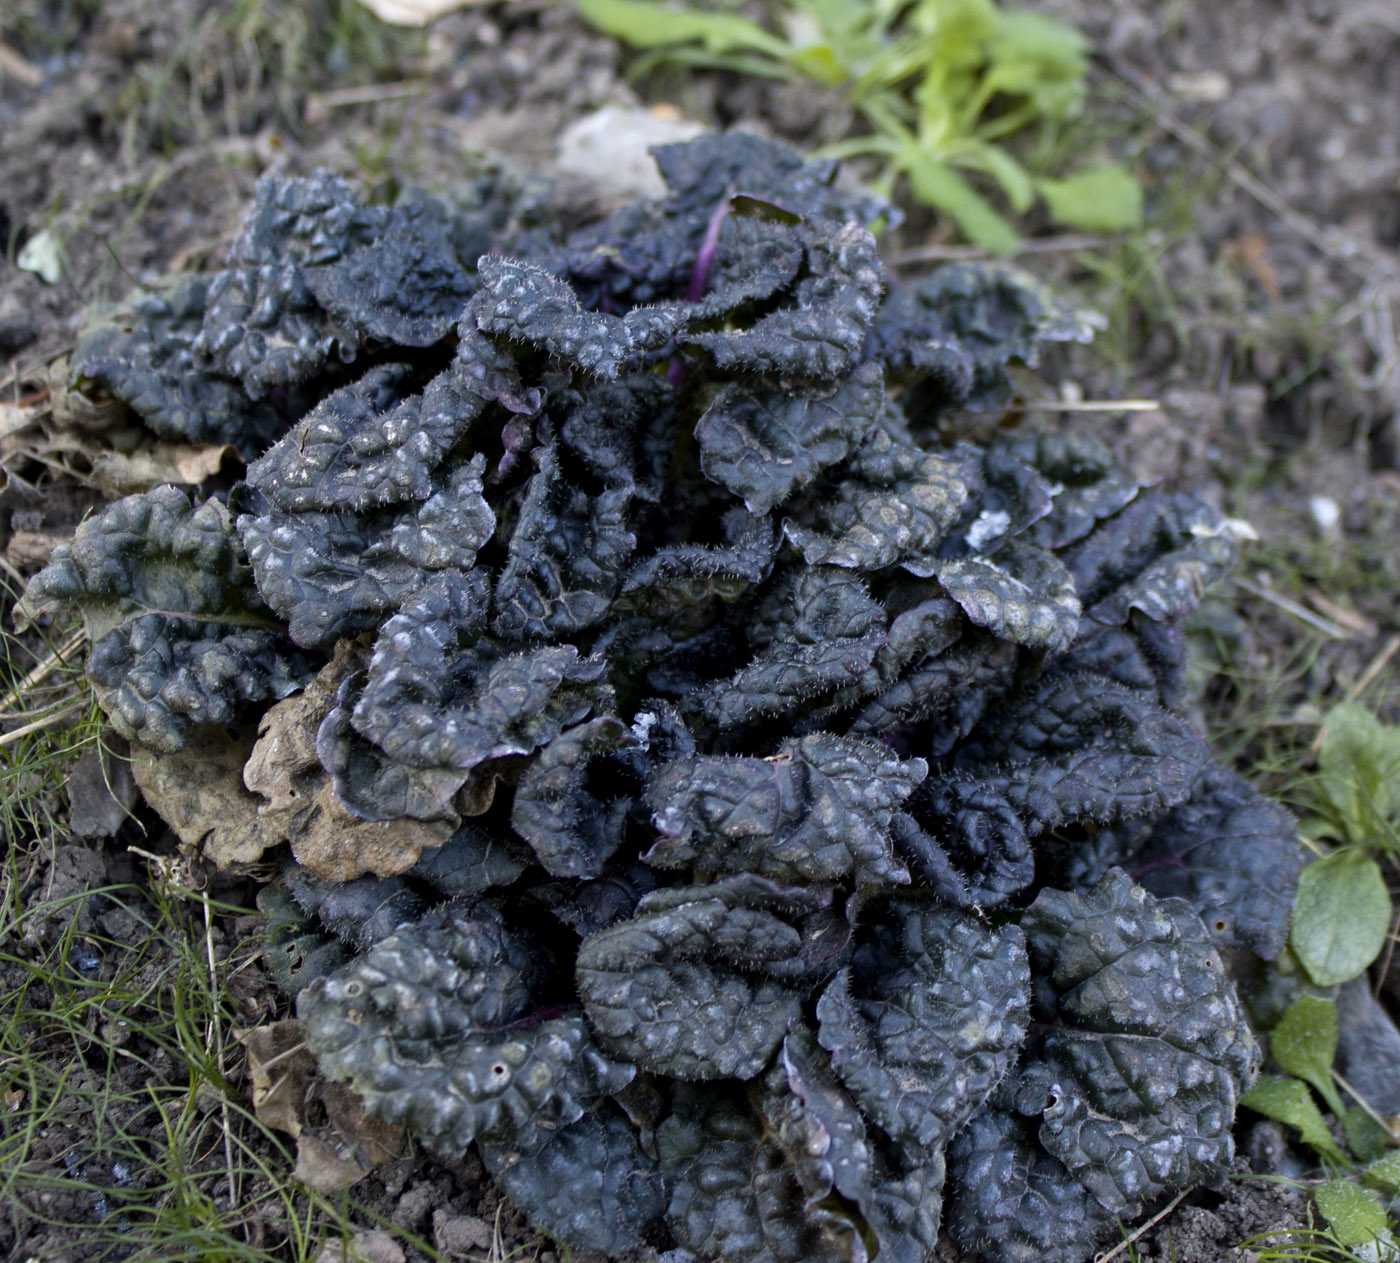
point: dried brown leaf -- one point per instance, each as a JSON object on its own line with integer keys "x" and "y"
{"x": 301, "y": 804}
{"x": 126, "y": 473}
{"x": 199, "y": 793}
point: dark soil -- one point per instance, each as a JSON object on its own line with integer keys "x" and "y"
{"x": 1260, "y": 314}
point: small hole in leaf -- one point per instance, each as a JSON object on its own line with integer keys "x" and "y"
{"x": 500, "y": 1070}
{"x": 353, "y": 989}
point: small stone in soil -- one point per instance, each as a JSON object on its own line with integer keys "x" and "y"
{"x": 456, "y": 1234}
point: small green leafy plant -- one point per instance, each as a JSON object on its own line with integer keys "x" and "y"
{"x": 940, "y": 85}
{"x": 1344, "y": 909}
{"x": 1304, "y": 1044}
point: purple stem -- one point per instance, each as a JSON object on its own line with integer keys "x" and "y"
{"x": 709, "y": 247}
{"x": 700, "y": 275}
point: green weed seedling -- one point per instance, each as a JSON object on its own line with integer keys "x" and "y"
{"x": 939, "y": 84}
{"x": 1344, "y": 910}
{"x": 1304, "y": 1044}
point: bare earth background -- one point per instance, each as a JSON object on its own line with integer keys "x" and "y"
{"x": 1259, "y": 310}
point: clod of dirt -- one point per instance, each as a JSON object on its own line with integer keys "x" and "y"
{"x": 1214, "y": 1227}
{"x": 374, "y": 1246}
{"x": 456, "y": 1234}
{"x": 101, "y": 794}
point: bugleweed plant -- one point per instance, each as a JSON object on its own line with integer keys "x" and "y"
{"x": 752, "y": 817}
{"x": 938, "y": 86}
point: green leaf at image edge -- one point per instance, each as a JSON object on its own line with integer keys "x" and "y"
{"x": 1355, "y": 1214}
{"x": 1304, "y": 1044}
{"x": 1102, "y": 199}
{"x": 645, "y": 25}
{"x": 1359, "y": 763}
{"x": 1365, "y": 1137}
{"x": 1341, "y": 917}
{"x": 1384, "y": 1173}
{"x": 1289, "y": 1101}
{"x": 936, "y": 184}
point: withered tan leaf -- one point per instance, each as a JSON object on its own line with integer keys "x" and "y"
{"x": 301, "y": 804}
{"x": 280, "y": 1069}
{"x": 199, "y": 793}
{"x": 127, "y": 473}
{"x": 288, "y": 1090}
{"x": 349, "y": 1146}
{"x": 336, "y": 845}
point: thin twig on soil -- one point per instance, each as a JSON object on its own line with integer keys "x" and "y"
{"x": 1036, "y": 245}
{"x": 49, "y": 665}
{"x": 1363, "y": 682}
{"x": 1359, "y": 623}
{"x": 1300, "y": 612}
{"x": 1140, "y": 1229}
{"x": 17, "y": 67}
{"x": 1092, "y": 405}
{"x": 1367, "y": 1108}
{"x": 214, "y": 1036}
{"x": 40, "y": 724}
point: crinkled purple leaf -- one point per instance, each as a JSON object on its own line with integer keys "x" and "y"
{"x": 1141, "y": 653}
{"x": 1013, "y": 1203}
{"x": 818, "y": 810}
{"x": 572, "y": 825}
{"x": 1006, "y": 496}
{"x": 853, "y": 1186}
{"x": 699, "y": 172}
{"x": 372, "y": 786}
{"x": 1147, "y": 1051}
{"x": 1156, "y": 556}
{"x": 337, "y": 574}
{"x": 817, "y": 631}
{"x": 589, "y": 1186}
{"x": 1076, "y": 748}
{"x": 427, "y": 1028}
{"x": 945, "y": 694}
{"x": 680, "y": 988}
{"x": 765, "y": 445}
{"x": 145, "y": 356}
{"x": 179, "y": 636}
{"x": 524, "y": 303}
{"x": 471, "y": 862}
{"x": 894, "y": 507}
{"x": 683, "y": 575}
{"x": 927, "y": 1021}
{"x": 1023, "y": 594}
{"x": 1088, "y": 488}
{"x": 734, "y": 1198}
{"x": 988, "y": 314}
{"x": 754, "y": 259}
{"x": 437, "y": 697}
{"x": 622, "y": 430}
{"x": 973, "y": 852}
{"x": 565, "y": 554}
{"x": 822, "y": 334}
{"x": 359, "y": 912}
{"x": 368, "y": 445}
{"x": 1233, "y": 855}
{"x": 407, "y": 286}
